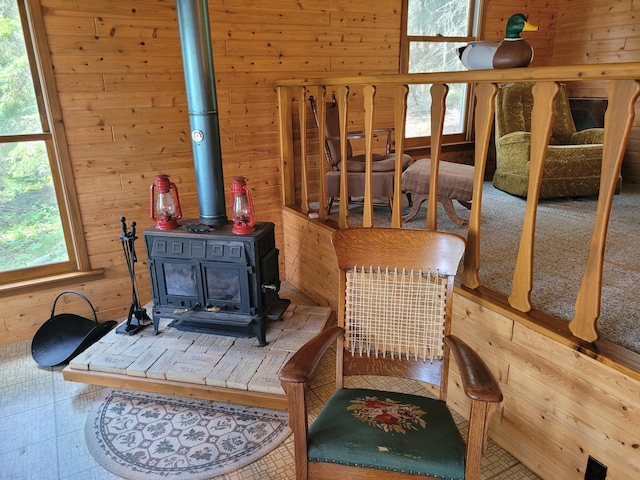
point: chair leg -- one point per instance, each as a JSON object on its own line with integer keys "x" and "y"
{"x": 447, "y": 204}
{"x": 415, "y": 207}
{"x": 330, "y": 205}
{"x": 450, "y": 211}
{"x": 466, "y": 205}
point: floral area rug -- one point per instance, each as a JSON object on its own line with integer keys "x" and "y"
{"x": 143, "y": 436}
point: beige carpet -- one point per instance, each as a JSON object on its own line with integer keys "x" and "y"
{"x": 563, "y": 233}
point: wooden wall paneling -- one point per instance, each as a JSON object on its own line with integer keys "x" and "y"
{"x": 631, "y": 162}
{"x": 140, "y": 82}
{"x": 134, "y": 99}
{"x": 540, "y": 13}
{"x": 554, "y": 419}
{"x": 602, "y": 32}
{"x": 309, "y": 255}
{"x": 560, "y": 405}
{"x": 143, "y": 27}
{"x": 122, "y": 115}
{"x": 81, "y": 26}
{"x": 70, "y": 82}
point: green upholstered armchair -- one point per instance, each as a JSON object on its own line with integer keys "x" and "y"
{"x": 574, "y": 159}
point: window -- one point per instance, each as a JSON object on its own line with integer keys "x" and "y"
{"x": 39, "y": 216}
{"x": 432, "y": 32}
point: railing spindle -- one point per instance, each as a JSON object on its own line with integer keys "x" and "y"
{"x": 400, "y": 116}
{"x": 304, "y": 179}
{"x": 438, "y": 108}
{"x": 618, "y": 121}
{"x": 369, "y": 92}
{"x": 542, "y": 115}
{"x": 485, "y": 94}
{"x": 321, "y": 110}
{"x": 343, "y": 213}
{"x": 286, "y": 147}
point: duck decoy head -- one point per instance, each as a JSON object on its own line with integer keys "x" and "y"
{"x": 517, "y": 24}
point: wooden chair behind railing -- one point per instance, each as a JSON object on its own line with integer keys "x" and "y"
{"x": 623, "y": 90}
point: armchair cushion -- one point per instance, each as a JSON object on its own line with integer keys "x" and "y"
{"x": 590, "y": 135}
{"x": 386, "y": 431}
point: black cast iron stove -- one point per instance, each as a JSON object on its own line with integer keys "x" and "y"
{"x": 216, "y": 282}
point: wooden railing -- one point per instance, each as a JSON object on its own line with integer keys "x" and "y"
{"x": 622, "y": 89}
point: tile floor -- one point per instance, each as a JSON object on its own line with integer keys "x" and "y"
{"x": 42, "y": 420}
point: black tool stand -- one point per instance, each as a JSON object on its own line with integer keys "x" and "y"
{"x": 137, "y": 318}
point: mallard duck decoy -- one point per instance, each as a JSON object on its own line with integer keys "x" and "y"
{"x": 513, "y": 51}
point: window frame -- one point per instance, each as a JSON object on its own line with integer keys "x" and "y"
{"x": 54, "y": 136}
{"x": 476, "y": 7}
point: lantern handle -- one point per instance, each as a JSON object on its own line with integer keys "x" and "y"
{"x": 178, "y": 215}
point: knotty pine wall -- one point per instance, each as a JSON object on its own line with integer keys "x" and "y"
{"x": 118, "y": 70}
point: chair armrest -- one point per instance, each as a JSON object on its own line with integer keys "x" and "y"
{"x": 362, "y": 133}
{"x": 477, "y": 380}
{"x": 590, "y": 135}
{"x": 301, "y": 366}
{"x": 515, "y": 138}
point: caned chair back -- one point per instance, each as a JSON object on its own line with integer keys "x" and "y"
{"x": 396, "y": 287}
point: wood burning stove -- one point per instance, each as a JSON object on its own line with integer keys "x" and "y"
{"x": 215, "y": 281}
{"x": 203, "y": 276}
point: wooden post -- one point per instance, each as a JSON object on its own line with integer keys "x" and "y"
{"x": 321, "y": 107}
{"x": 304, "y": 179}
{"x": 286, "y": 147}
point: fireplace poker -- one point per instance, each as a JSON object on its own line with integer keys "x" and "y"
{"x": 142, "y": 320}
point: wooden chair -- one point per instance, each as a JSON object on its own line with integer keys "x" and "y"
{"x": 394, "y": 319}
{"x": 383, "y": 167}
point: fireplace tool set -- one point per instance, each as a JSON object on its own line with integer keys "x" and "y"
{"x": 137, "y": 318}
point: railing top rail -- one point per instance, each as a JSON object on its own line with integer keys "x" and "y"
{"x": 557, "y": 73}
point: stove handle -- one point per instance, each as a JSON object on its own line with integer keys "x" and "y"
{"x": 269, "y": 286}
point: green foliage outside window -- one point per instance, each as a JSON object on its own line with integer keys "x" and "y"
{"x": 435, "y": 30}
{"x": 31, "y": 232}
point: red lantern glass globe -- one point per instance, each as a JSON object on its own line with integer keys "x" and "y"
{"x": 241, "y": 207}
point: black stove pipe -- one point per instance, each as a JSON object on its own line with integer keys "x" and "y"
{"x": 197, "y": 58}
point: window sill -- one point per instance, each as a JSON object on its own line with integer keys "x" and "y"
{"x": 33, "y": 285}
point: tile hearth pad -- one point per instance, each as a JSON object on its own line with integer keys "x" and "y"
{"x": 202, "y": 359}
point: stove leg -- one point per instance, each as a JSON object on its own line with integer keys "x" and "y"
{"x": 260, "y": 330}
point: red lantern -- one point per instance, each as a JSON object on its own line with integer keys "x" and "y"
{"x": 241, "y": 207}
{"x": 164, "y": 209}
